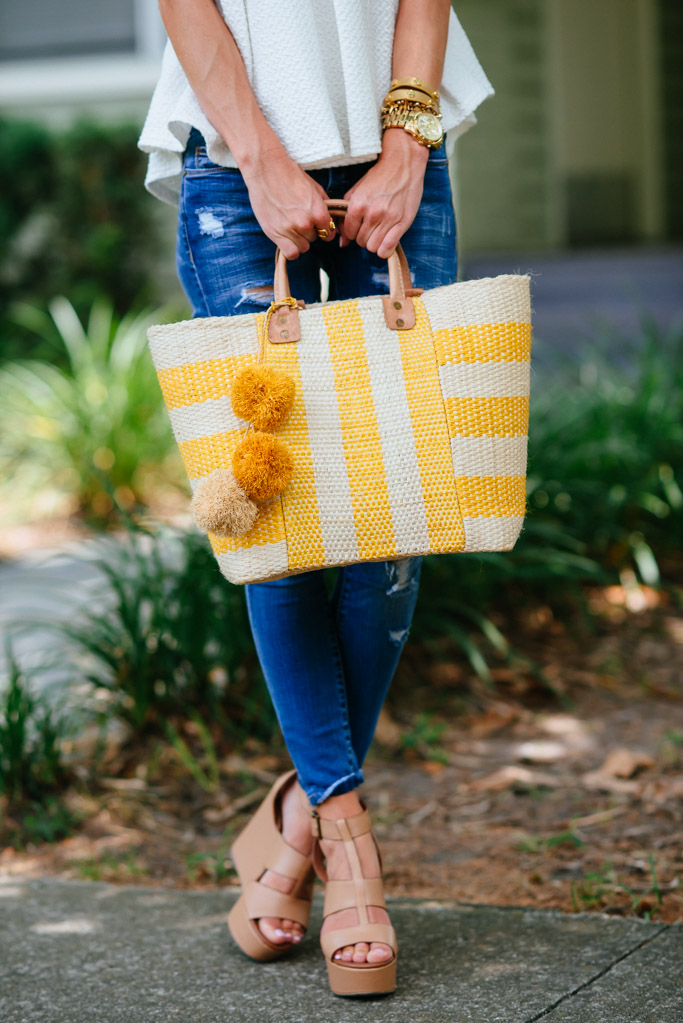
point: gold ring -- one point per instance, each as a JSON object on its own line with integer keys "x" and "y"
{"x": 323, "y": 232}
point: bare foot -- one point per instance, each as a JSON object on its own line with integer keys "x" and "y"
{"x": 339, "y": 869}
{"x": 296, "y": 830}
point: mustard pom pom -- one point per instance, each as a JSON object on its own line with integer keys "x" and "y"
{"x": 220, "y": 506}
{"x": 263, "y": 396}
{"x": 262, "y": 465}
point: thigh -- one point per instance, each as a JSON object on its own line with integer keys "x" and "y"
{"x": 430, "y": 243}
{"x": 224, "y": 260}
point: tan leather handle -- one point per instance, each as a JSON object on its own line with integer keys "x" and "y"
{"x": 399, "y": 311}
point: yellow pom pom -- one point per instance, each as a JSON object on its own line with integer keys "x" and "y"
{"x": 262, "y": 465}
{"x": 263, "y": 396}
{"x": 220, "y": 506}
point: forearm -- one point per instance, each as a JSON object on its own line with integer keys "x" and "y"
{"x": 420, "y": 40}
{"x": 419, "y": 50}
{"x": 214, "y": 68}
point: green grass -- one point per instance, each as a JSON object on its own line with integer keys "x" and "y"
{"x": 108, "y": 865}
{"x": 168, "y": 636}
{"x": 595, "y": 887}
{"x": 31, "y": 767}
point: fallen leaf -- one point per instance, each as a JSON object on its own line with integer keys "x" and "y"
{"x": 624, "y": 763}
{"x": 599, "y": 781}
{"x": 540, "y": 751}
{"x": 493, "y": 719}
{"x": 510, "y": 775}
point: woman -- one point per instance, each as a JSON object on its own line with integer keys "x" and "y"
{"x": 264, "y": 109}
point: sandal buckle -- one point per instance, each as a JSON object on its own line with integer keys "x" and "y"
{"x": 316, "y": 817}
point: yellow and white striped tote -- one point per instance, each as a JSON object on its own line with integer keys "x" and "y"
{"x": 406, "y": 439}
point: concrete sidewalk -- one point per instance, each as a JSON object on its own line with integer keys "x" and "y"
{"x": 80, "y": 952}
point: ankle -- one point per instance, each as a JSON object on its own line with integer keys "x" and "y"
{"x": 345, "y": 805}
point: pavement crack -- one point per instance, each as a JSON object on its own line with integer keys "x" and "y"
{"x": 597, "y": 976}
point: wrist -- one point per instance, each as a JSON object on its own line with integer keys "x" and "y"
{"x": 262, "y": 153}
{"x": 399, "y": 143}
{"x": 253, "y": 144}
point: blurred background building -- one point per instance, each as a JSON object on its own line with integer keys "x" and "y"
{"x": 581, "y": 145}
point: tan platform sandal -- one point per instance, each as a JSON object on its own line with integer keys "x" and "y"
{"x": 358, "y": 892}
{"x": 260, "y": 847}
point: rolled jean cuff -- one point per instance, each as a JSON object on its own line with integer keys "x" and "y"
{"x": 337, "y": 788}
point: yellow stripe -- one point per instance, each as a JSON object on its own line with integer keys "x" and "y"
{"x": 484, "y": 342}
{"x": 492, "y": 495}
{"x": 269, "y": 528}
{"x": 305, "y": 546}
{"x": 487, "y": 417}
{"x": 204, "y": 454}
{"x": 432, "y": 444}
{"x": 360, "y": 432}
{"x": 199, "y": 381}
{"x": 214, "y": 451}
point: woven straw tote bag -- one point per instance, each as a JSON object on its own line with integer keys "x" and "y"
{"x": 408, "y": 430}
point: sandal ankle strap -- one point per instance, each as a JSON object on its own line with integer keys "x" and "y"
{"x": 340, "y": 830}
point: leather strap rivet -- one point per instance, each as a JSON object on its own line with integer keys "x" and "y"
{"x": 284, "y": 334}
{"x": 399, "y": 323}
{"x": 282, "y": 319}
{"x": 398, "y": 305}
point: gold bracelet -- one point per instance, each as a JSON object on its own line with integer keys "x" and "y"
{"x": 411, "y": 96}
{"x": 392, "y": 116}
{"x": 407, "y": 83}
{"x": 389, "y": 113}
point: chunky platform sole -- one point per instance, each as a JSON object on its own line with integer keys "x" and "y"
{"x": 359, "y": 981}
{"x": 249, "y": 938}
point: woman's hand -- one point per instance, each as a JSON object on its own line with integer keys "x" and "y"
{"x": 383, "y": 204}
{"x": 288, "y": 204}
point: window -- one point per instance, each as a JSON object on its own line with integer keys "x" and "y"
{"x": 44, "y": 29}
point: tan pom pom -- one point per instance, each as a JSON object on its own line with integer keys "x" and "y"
{"x": 262, "y": 465}
{"x": 263, "y": 396}
{"x": 220, "y": 506}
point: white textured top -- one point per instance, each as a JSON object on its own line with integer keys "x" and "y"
{"x": 335, "y": 53}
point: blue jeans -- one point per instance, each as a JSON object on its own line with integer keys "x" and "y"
{"x": 328, "y": 661}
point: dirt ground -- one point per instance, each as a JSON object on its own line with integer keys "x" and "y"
{"x": 563, "y": 793}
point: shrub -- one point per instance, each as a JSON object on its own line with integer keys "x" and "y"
{"x": 75, "y": 220}
{"x": 91, "y": 428}
{"x": 606, "y": 455}
{"x": 170, "y": 636}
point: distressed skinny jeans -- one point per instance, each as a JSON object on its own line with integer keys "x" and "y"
{"x": 328, "y": 659}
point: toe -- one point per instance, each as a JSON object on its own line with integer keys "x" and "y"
{"x": 347, "y": 953}
{"x": 361, "y": 950}
{"x": 271, "y": 929}
{"x": 378, "y": 953}
{"x": 287, "y": 926}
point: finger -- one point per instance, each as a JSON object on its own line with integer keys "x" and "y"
{"x": 352, "y": 222}
{"x": 376, "y": 238}
{"x": 366, "y": 230}
{"x": 390, "y": 241}
{"x": 292, "y": 246}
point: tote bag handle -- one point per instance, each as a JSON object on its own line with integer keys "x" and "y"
{"x": 399, "y": 312}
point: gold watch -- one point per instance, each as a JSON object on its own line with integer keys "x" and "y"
{"x": 423, "y": 125}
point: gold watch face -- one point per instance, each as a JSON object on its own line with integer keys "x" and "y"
{"x": 429, "y": 126}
